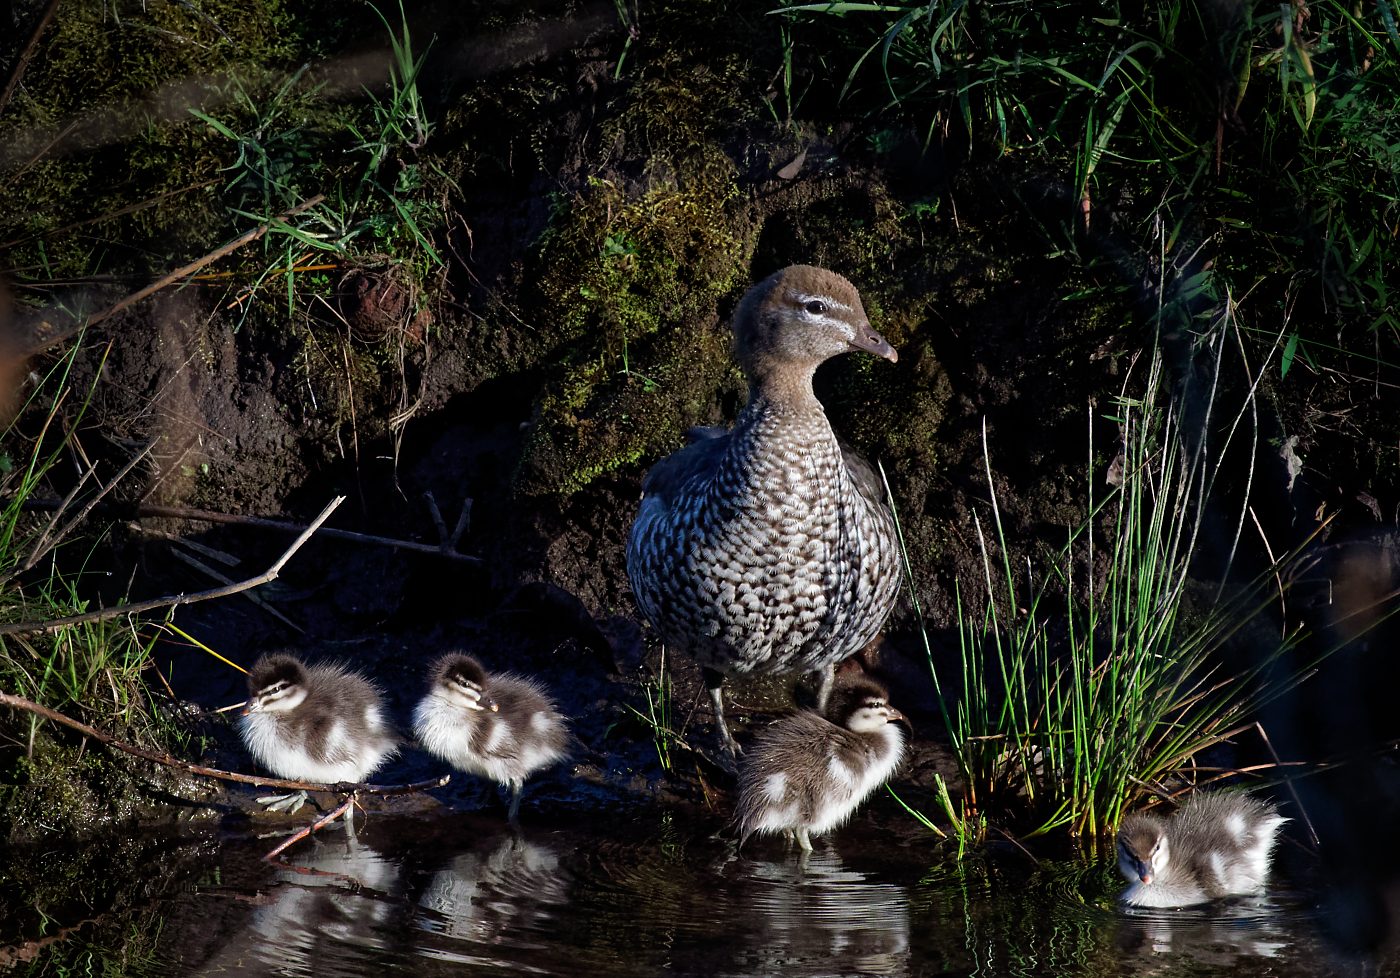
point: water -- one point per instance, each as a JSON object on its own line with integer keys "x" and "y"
{"x": 647, "y": 896}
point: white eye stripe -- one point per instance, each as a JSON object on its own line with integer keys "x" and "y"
{"x": 802, "y": 298}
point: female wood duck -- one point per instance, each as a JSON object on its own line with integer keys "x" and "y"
{"x": 319, "y": 723}
{"x": 499, "y": 726}
{"x": 807, "y": 773}
{"x": 1218, "y": 844}
{"x": 769, "y": 548}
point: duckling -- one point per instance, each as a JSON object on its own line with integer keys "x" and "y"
{"x": 1218, "y": 844}
{"x": 314, "y": 723}
{"x": 499, "y": 726}
{"x": 807, "y": 773}
{"x": 769, "y": 548}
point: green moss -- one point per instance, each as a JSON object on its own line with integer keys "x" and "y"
{"x": 633, "y": 286}
{"x": 71, "y": 787}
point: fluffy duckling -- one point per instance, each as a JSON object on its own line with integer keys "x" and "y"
{"x": 1218, "y": 844}
{"x": 499, "y": 726}
{"x": 768, "y": 548}
{"x": 807, "y": 773}
{"x": 314, "y": 723}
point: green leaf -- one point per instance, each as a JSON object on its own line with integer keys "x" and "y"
{"x": 1290, "y": 350}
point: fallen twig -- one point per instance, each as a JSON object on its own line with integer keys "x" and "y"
{"x": 248, "y": 237}
{"x": 27, "y": 55}
{"x": 252, "y": 596}
{"x": 1297, "y": 800}
{"x": 20, "y": 703}
{"x": 320, "y": 823}
{"x": 174, "y": 600}
{"x": 50, "y": 538}
{"x": 153, "y": 511}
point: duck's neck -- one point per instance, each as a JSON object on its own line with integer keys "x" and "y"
{"x": 786, "y": 390}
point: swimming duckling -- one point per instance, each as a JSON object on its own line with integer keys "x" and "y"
{"x": 313, "y": 723}
{"x": 499, "y": 726}
{"x": 1218, "y": 844}
{"x": 769, "y": 548}
{"x": 807, "y": 773}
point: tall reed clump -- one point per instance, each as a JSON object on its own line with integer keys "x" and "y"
{"x": 93, "y": 670}
{"x": 1062, "y": 720}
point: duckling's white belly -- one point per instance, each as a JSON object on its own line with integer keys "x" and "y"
{"x": 1162, "y": 894}
{"x": 848, "y": 786}
{"x": 485, "y": 745}
{"x": 275, "y": 746}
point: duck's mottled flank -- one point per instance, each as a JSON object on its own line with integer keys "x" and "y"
{"x": 768, "y": 548}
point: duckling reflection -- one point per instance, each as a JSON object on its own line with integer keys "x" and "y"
{"x": 842, "y": 921}
{"x": 506, "y": 890}
{"x": 340, "y": 900}
{"x": 1254, "y": 928}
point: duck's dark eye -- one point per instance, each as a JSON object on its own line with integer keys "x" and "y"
{"x": 816, "y": 307}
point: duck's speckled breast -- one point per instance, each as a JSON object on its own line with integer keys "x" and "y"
{"x": 771, "y": 562}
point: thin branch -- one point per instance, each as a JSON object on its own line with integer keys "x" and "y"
{"x": 1297, "y": 799}
{"x": 45, "y": 544}
{"x": 320, "y": 823}
{"x": 252, "y": 596}
{"x": 150, "y": 510}
{"x": 175, "y": 600}
{"x": 248, "y": 237}
{"x": 20, "y": 703}
{"x": 27, "y": 55}
{"x": 112, "y": 215}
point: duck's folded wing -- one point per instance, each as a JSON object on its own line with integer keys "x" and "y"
{"x": 668, "y": 477}
{"x": 867, "y": 480}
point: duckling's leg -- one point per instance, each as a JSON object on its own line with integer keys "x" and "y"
{"x": 714, "y": 682}
{"x": 824, "y": 684}
{"x": 804, "y": 841}
{"x": 513, "y": 816}
{"x": 290, "y": 803}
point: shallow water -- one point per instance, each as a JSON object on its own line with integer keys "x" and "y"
{"x": 652, "y": 896}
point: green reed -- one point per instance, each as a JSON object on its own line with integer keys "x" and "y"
{"x": 1092, "y": 682}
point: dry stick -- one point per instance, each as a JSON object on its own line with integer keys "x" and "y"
{"x": 174, "y": 600}
{"x": 20, "y": 703}
{"x": 233, "y": 519}
{"x": 110, "y": 216}
{"x": 1312, "y": 832}
{"x": 27, "y": 55}
{"x": 252, "y": 596}
{"x": 183, "y": 271}
{"x": 44, "y": 546}
{"x": 320, "y": 823}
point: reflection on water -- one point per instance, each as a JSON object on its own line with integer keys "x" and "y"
{"x": 338, "y": 902}
{"x": 837, "y": 920}
{"x": 491, "y": 901}
{"x": 1218, "y": 935}
{"x": 656, "y": 897}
